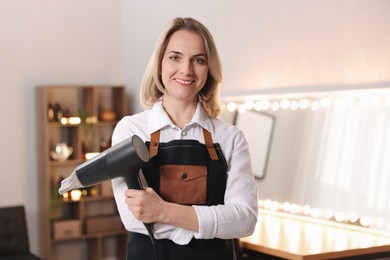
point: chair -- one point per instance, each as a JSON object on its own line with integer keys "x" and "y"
{"x": 14, "y": 244}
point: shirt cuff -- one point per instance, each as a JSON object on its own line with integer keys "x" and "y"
{"x": 207, "y": 222}
{"x": 178, "y": 235}
{"x": 181, "y": 236}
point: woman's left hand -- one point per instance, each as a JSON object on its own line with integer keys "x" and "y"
{"x": 146, "y": 205}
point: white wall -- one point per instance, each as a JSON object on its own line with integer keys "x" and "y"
{"x": 275, "y": 43}
{"x": 263, "y": 44}
{"x": 47, "y": 42}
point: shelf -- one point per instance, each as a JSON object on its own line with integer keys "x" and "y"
{"x": 98, "y": 123}
{"x": 85, "y": 199}
{"x": 66, "y": 221}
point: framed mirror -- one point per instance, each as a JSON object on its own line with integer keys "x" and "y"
{"x": 258, "y": 129}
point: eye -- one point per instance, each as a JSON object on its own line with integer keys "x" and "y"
{"x": 174, "y": 57}
{"x": 200, "y": 61}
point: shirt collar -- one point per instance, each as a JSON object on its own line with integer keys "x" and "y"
{"x": 159, "y": 118}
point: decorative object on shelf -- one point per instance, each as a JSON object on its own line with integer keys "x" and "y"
{"x": 107, "y": 115}
{"x": 54, "y": 112}
{"x": 50, "y": 112}
{"x": 58, "y": 113}
{"x": 61, "y": 152}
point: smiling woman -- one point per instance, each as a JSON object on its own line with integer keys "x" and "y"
{"x": 200, "y": 179}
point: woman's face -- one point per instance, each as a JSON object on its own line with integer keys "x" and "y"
{"x": 184, "y": 67}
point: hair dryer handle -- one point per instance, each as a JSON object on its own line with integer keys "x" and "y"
{"x": 133, "y": 181}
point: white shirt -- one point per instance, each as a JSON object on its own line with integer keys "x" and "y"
{"x": 237, "y": 217}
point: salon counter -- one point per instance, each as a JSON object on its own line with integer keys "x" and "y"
{"x": 289, "y": 236}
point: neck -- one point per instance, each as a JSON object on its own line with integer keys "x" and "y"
{"x": 180, "y": 113}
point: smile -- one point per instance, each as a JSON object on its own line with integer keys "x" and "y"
{"x": 184, "y": 82}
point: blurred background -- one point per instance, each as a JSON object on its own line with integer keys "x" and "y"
{"x": 270, "y": 50}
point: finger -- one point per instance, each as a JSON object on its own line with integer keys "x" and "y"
{"x": 132, "y": 193}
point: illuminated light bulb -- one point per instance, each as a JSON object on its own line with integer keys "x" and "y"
{"x": 365, "y": 221}
{"x": 284, "y": 103}
{"x": 74, "y": 120}
{"x": 303, "y": 103}
{"x": 286, "y": 206}
{"x": 315, "y": 105}
{"x": 315, "y": 212}
{"x": 328, "y": 213}
{"x": 267, "y": 204}
{"x": 258, "y": 106}
{"x": 91, "y": 120}
{"x": 339, "y": 216}
{"x": 325, "y": 102}
{"x": 294, "y": 209}
{"x": 70, "y": 120}
{"x": 231, "y": 106}
{"x": 65, "y": 196}
{"x": 266, "y": 104}
{"x": 75, "y": 195}
{"x": 306, "y": 209}
{"x": 294, "y": 105}
{"x": 262, "y": 105}
{"x": 274, "y": 206}
{"x": 249, "y": 104}
{"x": 275, "y": 106}
{"x": 90, "y": 155}
{"x": 241, "y": 108}
{"x": 353, "y": 217}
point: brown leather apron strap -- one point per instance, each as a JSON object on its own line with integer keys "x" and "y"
{"x": 208, "y": 140}
{"x": 155, "y": 139}
{"x": 154, "y": 142}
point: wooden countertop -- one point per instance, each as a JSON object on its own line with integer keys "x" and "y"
{"x": 298, "y": 237}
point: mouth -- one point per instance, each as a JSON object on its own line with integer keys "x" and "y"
{"x": 184, "y": 82}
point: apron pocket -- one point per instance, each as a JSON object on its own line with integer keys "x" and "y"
{"x": 183, "y": 184}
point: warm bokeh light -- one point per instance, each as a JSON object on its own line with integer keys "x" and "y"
{"x": 325, "y": 214}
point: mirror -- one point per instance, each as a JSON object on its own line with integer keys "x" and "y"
{"x": 329, "y": 156}
{"x": 258, "y": 128}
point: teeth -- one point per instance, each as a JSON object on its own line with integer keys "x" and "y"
{"x": 184, "y": 81}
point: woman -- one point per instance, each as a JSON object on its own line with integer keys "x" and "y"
{"x": 201, "y": 192}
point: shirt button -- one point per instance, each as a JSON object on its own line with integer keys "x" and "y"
{"x": 183, "y": 176}
{"x": 184, "y": 133}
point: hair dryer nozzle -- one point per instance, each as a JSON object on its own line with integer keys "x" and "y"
{"x": 121, "y": 160}
{"x": 70, "y": 183}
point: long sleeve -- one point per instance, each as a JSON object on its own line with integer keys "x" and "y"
{"x": 233, "y": 219}
{"x": 238, "y": 216}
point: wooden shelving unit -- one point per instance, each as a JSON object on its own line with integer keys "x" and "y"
{"x": 72, "y": 228}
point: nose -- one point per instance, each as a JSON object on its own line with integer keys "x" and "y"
{"x": 187, "y": 68}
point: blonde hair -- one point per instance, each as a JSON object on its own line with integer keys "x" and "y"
{"x": 152, "y": 87}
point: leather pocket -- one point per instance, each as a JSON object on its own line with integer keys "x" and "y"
{"x": 183, "y": 184}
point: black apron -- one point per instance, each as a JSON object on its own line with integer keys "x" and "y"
{"x": 189, "y": 173}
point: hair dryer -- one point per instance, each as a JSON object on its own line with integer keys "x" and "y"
{"x": 124, "y": 159}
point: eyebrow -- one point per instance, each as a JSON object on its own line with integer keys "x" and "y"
{"x": 196, "y": 55}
